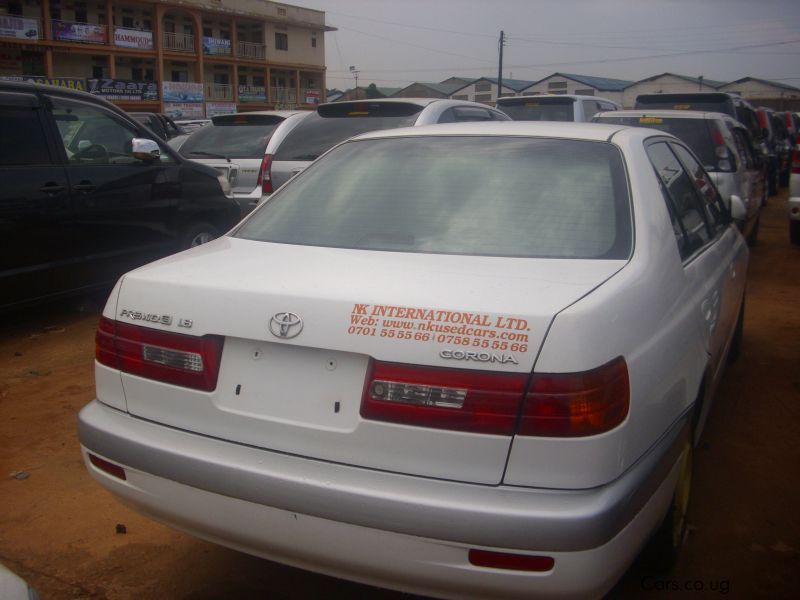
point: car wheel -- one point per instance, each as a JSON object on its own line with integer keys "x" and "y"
{"x": 197, "y": 234}
{"x": 794, "y": 232}
{"x": 736, "y": 344}
{"x": 752, "y": 237}
{"x": 666, "y": 543}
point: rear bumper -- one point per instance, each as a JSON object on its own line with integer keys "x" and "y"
{"x": 185, "y": 480}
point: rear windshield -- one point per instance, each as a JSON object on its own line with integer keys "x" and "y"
{"x": 542, "y": 109}
{"x": 490, "y": 196}
{"x": 695, "y": 133}
{"x": 235, "y": 136}
{"x": 702, "y": 102}
{"x": 334, "y": 123}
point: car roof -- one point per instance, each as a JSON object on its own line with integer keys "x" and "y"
{"x": 511, "y": 99}
{"x": 418, "y": 101}
{"x": 547, "y": 129}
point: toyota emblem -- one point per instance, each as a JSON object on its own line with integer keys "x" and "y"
{"x": 286, "y": 325}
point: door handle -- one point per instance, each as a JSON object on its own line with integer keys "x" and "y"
{"x": 52, "y": 188}
{"x": 84, "y": 186}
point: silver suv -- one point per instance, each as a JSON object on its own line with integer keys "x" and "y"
{"x": 724, "y": 147}
{"x": 296, "y": 145}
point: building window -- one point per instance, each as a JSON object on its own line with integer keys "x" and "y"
{"x": 180, "y": 76}
{"x": 313, "y": 40}
{"x": 483, "y": 87}
{"x": 80, "y": 13}
{"x": 15, "y": 8}
{"x": 281, "y": 11}
{"x": 136, "y": 73}
{"x": 147, "y": 24}
{"x": 258, "y": 80}
{"x": 127, "y": 22}
{"x": 97, "y": 72}
{"x": 483, "y": 97}
{"x": 281, "y": 41}
{"x": 208, "y": 32}
{"x": 557, "y": 85}
{"x": 149, "y": 75}
{"x": 586, "y": 92}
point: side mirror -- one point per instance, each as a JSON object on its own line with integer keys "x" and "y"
{"x": 738, "y": 209}
{"x": 146, "y": 150}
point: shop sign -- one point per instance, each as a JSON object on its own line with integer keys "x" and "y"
{"x": 183, "y": 110}
{"x": 252, "y": 93}
{"x": 124, "y": 89}
{"x": 73, "y": 83}
{"x": 216, "y": 46}
{"x": 133, "y": 38}
{"x": 79, "y": 32}
{"x": 312, "y": 96}
{"x": 219, "y": 108}
{"x": 17, "y": 27}
{"x": 182, "y": 92}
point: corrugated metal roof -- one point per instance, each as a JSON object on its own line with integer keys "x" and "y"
{"x": 709, "y": 82}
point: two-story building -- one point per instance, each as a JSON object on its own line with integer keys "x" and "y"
{"x": 189, "y": 58}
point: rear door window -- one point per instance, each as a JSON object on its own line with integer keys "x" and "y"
{"x": 716, "y": 212}
{"x": 461, "y": 114}
{"x": 490, "y": 196}
{"x": 334, "y": 123}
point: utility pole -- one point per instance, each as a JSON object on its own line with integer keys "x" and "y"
{"x": 500, "y": 69}
{"x": 355, "y": 73}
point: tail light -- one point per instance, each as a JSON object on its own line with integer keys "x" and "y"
{"x": 762, "y": 119}
{"x": 577, "y": 404}
{"x": 556, "y": 405}
{"x": 513, "y": 562}
{"x": 182, "y": 360}
{"x": 265, "y": 175}
{"x": 455, "y": 399}
{"x": 796, "y": 156}
{"x": 720, "y": 149}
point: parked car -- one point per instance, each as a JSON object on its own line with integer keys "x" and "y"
{"x": 297, "y": 144}
{"x": 235, "y": 145}
{"x": 774, "y": 152}
{"x": 160, "y": 124}
{"x": 794, "y": 195}
{"x": 190, "y": 125}
{"x": 784, "y": 145}
{"x": 88, "y": 195}
{"x": 457, "y": 360}
{"x": 721, "y": 144}
{"x": 556, "y": 107}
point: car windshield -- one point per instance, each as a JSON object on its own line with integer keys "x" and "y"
{"x": 235, "y": 136}
{"x": 695, "y": 133}
{"x": 539, "y": 109}
{"x": 491, "y": 196}
{"x": 331, "y": 124}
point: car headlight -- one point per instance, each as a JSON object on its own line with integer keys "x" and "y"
{"x": 225, "y": 185}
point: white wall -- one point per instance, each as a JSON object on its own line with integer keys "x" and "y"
{"x": 557, "y": 84}
{"x": 667, "y": 84}
{"x": 474, "y": 94}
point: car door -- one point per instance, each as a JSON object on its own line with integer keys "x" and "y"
{"x": 34, "y": 201}
{"x": 754, "y": 177}
{"x": 122, "y": 207}
{"x": 707, "y": 261}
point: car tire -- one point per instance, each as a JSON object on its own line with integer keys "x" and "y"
{"x": 752, "y": 237}
{"x": 197, "y": 234}
{"x": 794, "y": 232}
{"x": 738, "y": 333}
{"x": 663, "y": 549}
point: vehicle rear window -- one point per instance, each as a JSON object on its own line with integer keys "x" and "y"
{"x": 490, "y": 196}
{"x": 541, "y": 109}
{"x": 334, "y": 123}
{"x": 702, "y": 102}
{"x": 695, "y": 133}
{"x": 235, "y": 136}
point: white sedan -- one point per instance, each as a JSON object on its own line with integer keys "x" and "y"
{"x": 463, "y": 360}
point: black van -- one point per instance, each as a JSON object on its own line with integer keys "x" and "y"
{"x": 86, "y": 196}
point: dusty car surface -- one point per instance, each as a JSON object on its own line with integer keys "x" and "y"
{"x": 463, "y": 398}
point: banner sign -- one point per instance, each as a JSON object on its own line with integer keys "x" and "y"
{"x": 219, "y": 108}
{"x": 133, "y": 38}
{"x": 216, "y": 46}
{"x": 72, "y": 83}
{"x": 79, "y": 32}
{"x": 252, "y": 93}
{"x": 312, "y": 96}
{"x": 182, "y": 92}
{"x": 183, "y": 110}
{"x": 124, "y": 89}
{"x": 17, "y": 27}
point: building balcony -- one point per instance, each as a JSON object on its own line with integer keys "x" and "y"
{"x": 216, "y": 46}
{"x": 219, "y": 92}
{"x": 178, "y": 42}
{"x": 21, "y": 28}
{"x": 252, "y": 93}
{"x": 85, "y": 33}
{"x": 251, "y": 50}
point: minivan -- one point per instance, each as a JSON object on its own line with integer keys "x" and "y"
{"x": 88, "y": 194}
{"x": 555, "y": 107}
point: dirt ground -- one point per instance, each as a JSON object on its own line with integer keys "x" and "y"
{"x": 59, "y": 530}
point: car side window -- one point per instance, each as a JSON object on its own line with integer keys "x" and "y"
{"x": 743, "y": 147}
{"x": 712, "y": 202}
{"x": 91, "y": 135}
{"x": 683, "y": 199}
{"x": 590, "y": 108}
{"x": 22, "y": 138}
{"x": 605, "y": 106}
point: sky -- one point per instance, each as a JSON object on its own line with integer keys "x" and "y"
{"x": 393, "y": 43}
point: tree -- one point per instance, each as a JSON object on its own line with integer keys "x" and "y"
{"x": 372, "y": 91}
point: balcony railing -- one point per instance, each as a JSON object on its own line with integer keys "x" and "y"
{"x": 281, "y": 95}
{"x": 180, "y": 42}
{"x": 252, "y": 93}
{"x": 21, "y": 28}
{"x": 86, "y": 33}
{"x": 219, "y": 91}
{"x": 251, "y": 50}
